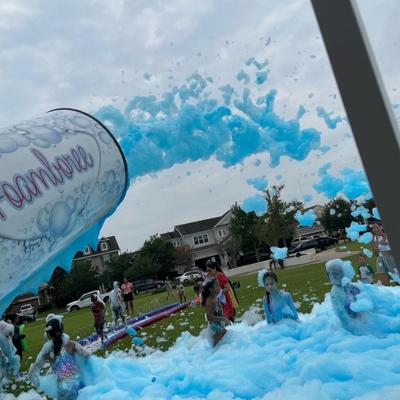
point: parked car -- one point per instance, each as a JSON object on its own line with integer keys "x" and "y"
{"x": 27, "y": 313}
{"x": 141, "y": 285}
{"x": 318, "y": 244}
{"x": 85, "y": 300}
{"x": 190, "y": 276}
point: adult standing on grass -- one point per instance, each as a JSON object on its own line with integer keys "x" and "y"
{"x": 214, "y": 271}
{"x": 127, "y": 291}
{"x": 117, "y": 303}
{"x": 98, "y": 309}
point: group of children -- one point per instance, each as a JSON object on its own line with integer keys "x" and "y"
{"x": 278, "y": 305}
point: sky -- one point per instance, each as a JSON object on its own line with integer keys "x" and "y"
{"x": 88, "y": 54}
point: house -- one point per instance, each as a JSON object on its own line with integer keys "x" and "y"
{"x": 203, "y": 237}
{"x": 100, "y": 257}
{"x": 316, "y": 229}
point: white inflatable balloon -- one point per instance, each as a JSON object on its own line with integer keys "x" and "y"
{"x": 61, "y": 176}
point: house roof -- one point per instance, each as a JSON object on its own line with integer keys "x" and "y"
{"x": 170, "y": 235}
{"x": 112, "y": 248}
{"x": 197, "y": 226}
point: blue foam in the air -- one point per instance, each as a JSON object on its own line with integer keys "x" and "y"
{"x": 331, "y": 122}
{"x": 259, "y": 183}
{"x": 279, "y": 253}
{"x": 256, "y": 204}
{"x": 306, "y": 219}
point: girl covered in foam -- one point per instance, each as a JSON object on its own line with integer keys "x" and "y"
{"x": 63, "y": 355}
{"x": 278, "y": 304}
{"x": 9, "y": 360}
{"x": 362, "y": 308}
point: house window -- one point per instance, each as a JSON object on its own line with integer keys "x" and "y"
{"x": 221, "y": 232}
{"x": 201, "y": 239}
{"x": 104, "y": 246}
{"x": 87, "y": 250}
{"x": 107, "y": 259}
{"x": 175, "y": 243}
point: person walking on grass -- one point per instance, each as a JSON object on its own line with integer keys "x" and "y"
{"x": 117, "y": 303}
{"x": 127, "y": 291}
{"x": 168, "y": 287}
{"x": 98, "y": 309}
{"x": 180, "y": 289}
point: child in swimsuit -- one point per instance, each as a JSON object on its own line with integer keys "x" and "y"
{"x": 278, "y": 304}
{"x": 214, "y": 313}
{"x": 61, "y": 353}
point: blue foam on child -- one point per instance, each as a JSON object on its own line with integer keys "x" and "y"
{"x": 306, "y": 219}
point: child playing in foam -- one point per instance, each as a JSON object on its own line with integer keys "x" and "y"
{"x": 278, "y": 305}
{"x": 9, "y": 360}
{"x": 214, "y": 313}
{"x": 362, "y": 308}
{"x": 62, "y": 354}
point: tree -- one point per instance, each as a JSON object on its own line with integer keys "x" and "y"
{"x": 336, "y": 216}
{"x": 278, "y": 225}
{"x": 157, "y": 258}
{"x": 242, "y": 229}
{"x": 81, "y": 279}
{"x": 118, "y": 268}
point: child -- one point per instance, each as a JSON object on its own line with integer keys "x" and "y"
{"x": 344, "y": 295}
{"x": 18, "y": 337}
{"x": 9, "y": 361}
{"x": 215, "y": 316}
{"x": 181, "y": 293}
{"x": 365, "y": 270}
{"x": 61, "y": 353}
{"x": 98, "y": 309}
{"x": 278, "y": 304}
{"x": 117, "y": 303}
{"x": 197, "y": 290}
{"x": 127, "y": 290}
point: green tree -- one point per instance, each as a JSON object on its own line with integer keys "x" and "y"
{"x": 336, "y": 216}
{"x": 118, "y": 268}
{"x": 242, "y": 230}
{"x": 157, "y": 258}
{"x": 278, "y": 225}
{"x": 81, "y": 279}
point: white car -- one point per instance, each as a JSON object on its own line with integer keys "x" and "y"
{"x": 190, "y": 276}
{"x": 85, "y": 300}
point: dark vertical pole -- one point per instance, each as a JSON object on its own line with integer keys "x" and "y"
{"x": 367, "y": 106}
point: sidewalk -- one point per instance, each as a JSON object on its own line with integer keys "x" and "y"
{"x": 307, "y": 259}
